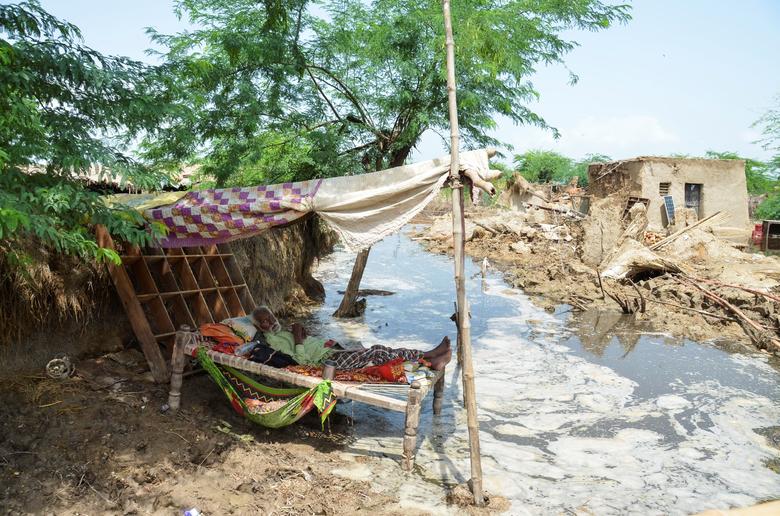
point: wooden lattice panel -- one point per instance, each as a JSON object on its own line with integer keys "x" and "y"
{"x": 164, "y": 289}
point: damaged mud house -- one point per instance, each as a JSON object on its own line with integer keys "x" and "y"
{"x": 666, "y": 185}
{"x": 665, "y": 239}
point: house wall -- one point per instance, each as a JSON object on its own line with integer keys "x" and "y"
{"x": 723, "y": 188}
{"x": 623, "y": 179}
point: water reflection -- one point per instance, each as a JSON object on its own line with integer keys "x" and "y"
{"x": 586, "y": 413}
{"x": 599, "y": 329}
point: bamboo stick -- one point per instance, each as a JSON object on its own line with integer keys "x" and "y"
{"x": 458, "y": 228}
{"x": 676, "y": 235}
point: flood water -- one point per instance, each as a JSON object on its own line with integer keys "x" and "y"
{"x": 580, "y": 414}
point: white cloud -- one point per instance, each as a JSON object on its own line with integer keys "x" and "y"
{"x": 618, "y": 132}
{"x": 616, "y": 136}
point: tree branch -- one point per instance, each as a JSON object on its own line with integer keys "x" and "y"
{"x": 322, "y": 94}
{"x": 347, "y": 93}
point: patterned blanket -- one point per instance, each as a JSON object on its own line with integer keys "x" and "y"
{"x": 363, "y": 209}
{"x": 216, "y": 216}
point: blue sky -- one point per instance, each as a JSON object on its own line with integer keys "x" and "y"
{"x": 683, "y": 76}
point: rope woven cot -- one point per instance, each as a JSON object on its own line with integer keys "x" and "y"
{"x": 238, "y": 388}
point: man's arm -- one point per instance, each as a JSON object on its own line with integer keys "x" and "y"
{"x": 299, "y": 333}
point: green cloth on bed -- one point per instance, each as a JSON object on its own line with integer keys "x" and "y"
{"x": 311, "y": 351}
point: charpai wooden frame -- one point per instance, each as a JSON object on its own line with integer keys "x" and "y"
{"x": 164, "y": 289}
{"x": 406, "y": 399}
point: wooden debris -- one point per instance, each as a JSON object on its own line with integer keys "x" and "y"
{"x": 767, "y": 295}
{"x": 628, "y": 304}
{"x": 371, "y": 292}
{"x": 760, "y": 336}
{"x": 674, "y": 236}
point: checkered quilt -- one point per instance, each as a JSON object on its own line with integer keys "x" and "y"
{"x": 221, "y": 215}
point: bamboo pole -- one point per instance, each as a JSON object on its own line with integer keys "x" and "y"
{"x": 458, "y": 228}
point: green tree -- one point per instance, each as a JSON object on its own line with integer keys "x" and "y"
{"x": 770, "y": 140}
{"x": 63, "y": 109}
{"x": 770, "y": 208}
{"x": 543, "y": 166}
{"x": 770, "y": 134}
{"x": 343, "y": 86}
{"x": 757, "y": 173}
{"x": 580, "y": 168}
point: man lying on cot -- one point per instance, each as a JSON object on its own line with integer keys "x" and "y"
{"x": 308, "y": 350}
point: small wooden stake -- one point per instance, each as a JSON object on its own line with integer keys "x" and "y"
{"x": 458, "y": 228}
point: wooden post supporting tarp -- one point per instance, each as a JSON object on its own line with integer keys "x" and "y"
{"x": 458, "y": 229}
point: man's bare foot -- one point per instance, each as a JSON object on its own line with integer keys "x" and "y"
{"x": 440, "y": 362}
{"x": 441, "y": 349}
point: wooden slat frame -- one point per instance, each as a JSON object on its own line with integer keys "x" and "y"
{"x": 163, "y": 289}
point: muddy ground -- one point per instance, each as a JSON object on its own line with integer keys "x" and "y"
{"x": 554, "y": 272}
{"x": 86, "y": 445}
{"x": 98, "y": 443}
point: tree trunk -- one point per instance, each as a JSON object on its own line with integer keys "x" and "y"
{"x": 349, "y": 306}
{"x": 398, "y": 157}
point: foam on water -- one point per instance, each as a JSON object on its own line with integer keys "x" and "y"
{"x": 654, "y": 427}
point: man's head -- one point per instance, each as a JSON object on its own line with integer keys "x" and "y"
{"x": 265, "y": 319}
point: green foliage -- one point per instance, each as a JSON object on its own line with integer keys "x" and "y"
{"x": 770, "y": 140}
{"x": 770, "y": 208}
{"x": 580, "y": 168}
{"x": 770, "y": 134}
{"x": 541, "y": 166}
{"x": 757, "y": 173}
{"x": 299, "y": 90}
{"x": 63, "y": 109}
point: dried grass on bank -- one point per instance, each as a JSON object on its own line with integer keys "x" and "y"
{"x": 50, "y": 292}
{"x": 277, "y": 265}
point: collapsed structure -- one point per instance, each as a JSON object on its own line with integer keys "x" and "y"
{"x": 662, "y": 238}
{"x": 666, "y": 185}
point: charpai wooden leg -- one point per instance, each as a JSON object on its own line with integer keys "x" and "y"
{"x": 438, "y": 394}
{"x": 178, "y": 359}
{"x": 411, "y": 424}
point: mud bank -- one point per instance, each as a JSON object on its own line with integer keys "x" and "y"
{"x": 67, "y": 306}
{"x": 552, "y": 259}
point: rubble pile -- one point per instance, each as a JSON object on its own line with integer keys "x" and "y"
{"x": 688, "y": 282}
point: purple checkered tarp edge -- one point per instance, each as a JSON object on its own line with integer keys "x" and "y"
{"x": 222, "y": 215}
